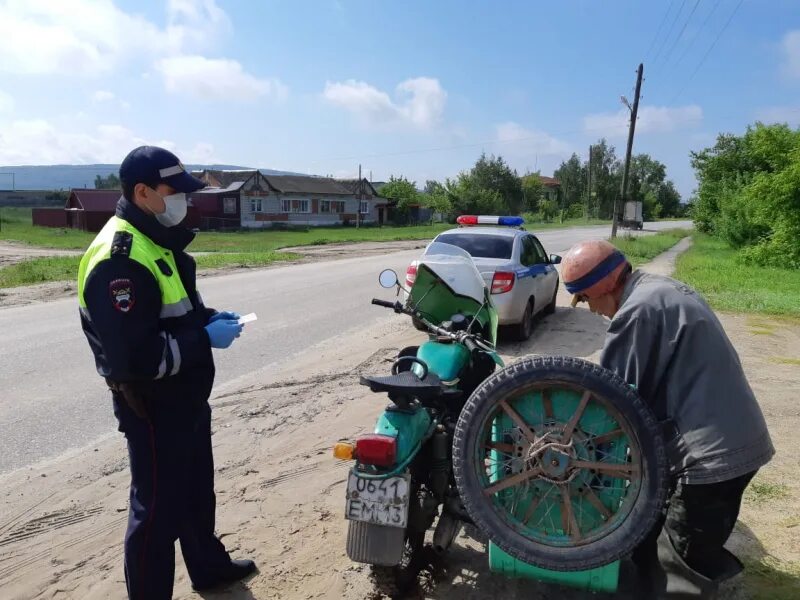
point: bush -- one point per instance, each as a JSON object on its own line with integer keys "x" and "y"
{"x": 749, "y": 194}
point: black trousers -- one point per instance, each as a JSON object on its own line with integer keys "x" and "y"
{"x": 171, "y": 496}
{"x": 699, "y": 520}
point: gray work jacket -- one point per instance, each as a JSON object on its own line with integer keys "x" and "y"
{"x": 666, "y": 341}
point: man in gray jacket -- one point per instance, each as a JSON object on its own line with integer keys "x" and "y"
{"x": 666, "y": 341}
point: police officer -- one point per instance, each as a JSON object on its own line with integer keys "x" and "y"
{"x": 151, "y": 337}
{"x": 666, "y": 341}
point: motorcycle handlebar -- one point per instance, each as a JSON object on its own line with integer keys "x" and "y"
{"x": 464, "y": 338}
{"x": 383, "y": 303}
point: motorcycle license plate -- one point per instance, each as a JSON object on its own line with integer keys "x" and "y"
{"x": 378, "y": 501}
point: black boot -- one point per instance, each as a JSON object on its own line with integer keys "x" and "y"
{"x": 234, "y": 571}
{"x": 671, "y": 578}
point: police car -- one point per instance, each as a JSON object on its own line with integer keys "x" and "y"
{"x": 519, "y": 273}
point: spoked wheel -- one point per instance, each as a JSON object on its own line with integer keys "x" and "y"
{"x": 560, "y": 463}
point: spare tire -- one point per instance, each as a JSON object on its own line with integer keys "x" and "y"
{"x": 560, "y": 463}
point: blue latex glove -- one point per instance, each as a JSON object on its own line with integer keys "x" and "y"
{"x": 224, "y": 315}
{"x": 222, "y": 332}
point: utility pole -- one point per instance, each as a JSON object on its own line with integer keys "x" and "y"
{"x": 631, "y": 129}
{"x": 360, "y": 195}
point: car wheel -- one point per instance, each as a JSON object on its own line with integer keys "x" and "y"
{"x": 551, "y": 308}
{"x": 524, "y": 328}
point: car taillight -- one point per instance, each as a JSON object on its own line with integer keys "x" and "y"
{"x": 411, "y": 275}
{"x": 376, "y": 449}
{"x": 502, "y": 282}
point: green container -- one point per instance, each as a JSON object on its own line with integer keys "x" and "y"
{"x": 601, "y": 579}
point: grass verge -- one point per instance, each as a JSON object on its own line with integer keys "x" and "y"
{"x": 769, "y": 578}
{"x": 17, "y": 227}
{"x": 65, "y": 268}
{"x": 40, "y": 270}
{"x": 644, "y": 248}
{"x": 711, "y": 267}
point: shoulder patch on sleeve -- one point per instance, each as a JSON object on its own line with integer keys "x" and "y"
{"x": 121, "y": 245}
{"x": 122, "y": 294}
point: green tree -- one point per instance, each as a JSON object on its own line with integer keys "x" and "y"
{"x": 402, "y": 190}
{"x": 548, "y": 209}
{"x": 436, "y": 198}
{"x": 748, "y": 193}
{"x": 572, "y": 175}
{"x": 110, "y": 182}
{"x": 493, "y": 174}
{"x": 466, "y": 197}
{"x": 532, "y": 191}
{"x": 606, "y": 179}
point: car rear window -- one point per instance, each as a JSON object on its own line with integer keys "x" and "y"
{"x": 480, "y": 246}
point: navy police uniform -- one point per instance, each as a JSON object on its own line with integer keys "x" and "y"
{"x": 144, "y": 321}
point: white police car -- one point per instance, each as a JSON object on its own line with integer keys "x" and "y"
{"x": 520, "y": 275}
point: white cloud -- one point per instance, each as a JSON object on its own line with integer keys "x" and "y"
{"x": 195, "y": 23}
{"x": 6, "y": 102}
{"x": 652, "y": 119}
{"x": 519, "y": 139}
{"x": 791, "y": 54}
{"x": 80, "y": 37}
{"x": 216, "y": 79}
{"x": 95, "y": 37}
{"x": 38, "y": 141}
{"x": 102, "y": 96}
{"x": 420, "y": 102}
{"x": 779, "y": 114}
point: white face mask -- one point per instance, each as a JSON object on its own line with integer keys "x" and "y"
{"x": 175, "y": 212}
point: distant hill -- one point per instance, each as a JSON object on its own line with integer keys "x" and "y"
{"x": 64, "y": 177}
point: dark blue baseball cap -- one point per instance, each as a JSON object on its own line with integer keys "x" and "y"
{"x": 152, "y": 165}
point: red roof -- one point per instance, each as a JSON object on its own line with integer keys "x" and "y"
{"x": 549, "y": 181}
{"x": 94, "y": 200}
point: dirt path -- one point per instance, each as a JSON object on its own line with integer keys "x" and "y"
{"x": 280, "y": 494}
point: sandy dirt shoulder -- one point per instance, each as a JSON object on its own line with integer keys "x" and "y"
{"x": 280, "y": 495}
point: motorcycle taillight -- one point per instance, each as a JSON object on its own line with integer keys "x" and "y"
{"x": 411, "y": 275}
{"x": 376, "y": 449}
{"x": 502, "y": 282}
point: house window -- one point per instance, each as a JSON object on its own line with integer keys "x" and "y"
{"x": 295, "y": 206}
{"x": 229, "y": 206}
{"x": 331, "y": 206}
{"x": 255, "y": 205}
{"x": 364, "y": 207}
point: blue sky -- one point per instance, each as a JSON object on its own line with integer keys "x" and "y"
{"x": 405, "y": 88}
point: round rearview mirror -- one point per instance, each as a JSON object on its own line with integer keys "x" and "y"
{"x": 388, "y": 278}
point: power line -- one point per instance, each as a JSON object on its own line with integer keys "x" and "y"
{"x": 680, "y": 34}
{"x": 697, "y": 34}
{"x": 660, "y": 27}
{"x": 705, "y": 56}
{"x": 669, "y": 33}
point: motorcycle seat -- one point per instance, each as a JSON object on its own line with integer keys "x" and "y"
{"x": 405, "y": 383}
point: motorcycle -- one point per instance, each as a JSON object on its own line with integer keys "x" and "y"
{"x": 402, "y": 481}
{"x": 558, "y": 462}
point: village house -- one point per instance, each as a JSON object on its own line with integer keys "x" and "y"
{"x": 240, "y": 199}
{"x": 550, "y": 187}
{"x": 267, "y": 200}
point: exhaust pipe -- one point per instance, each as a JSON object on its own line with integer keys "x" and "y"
{"x": 447, "y": 529}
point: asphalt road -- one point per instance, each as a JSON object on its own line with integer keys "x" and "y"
{"x": 52, "y": 400}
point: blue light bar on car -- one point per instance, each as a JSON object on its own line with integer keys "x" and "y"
{"x": 490, "y": 220}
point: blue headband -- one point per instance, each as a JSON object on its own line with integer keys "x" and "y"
{"x": 608, "y": 264}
